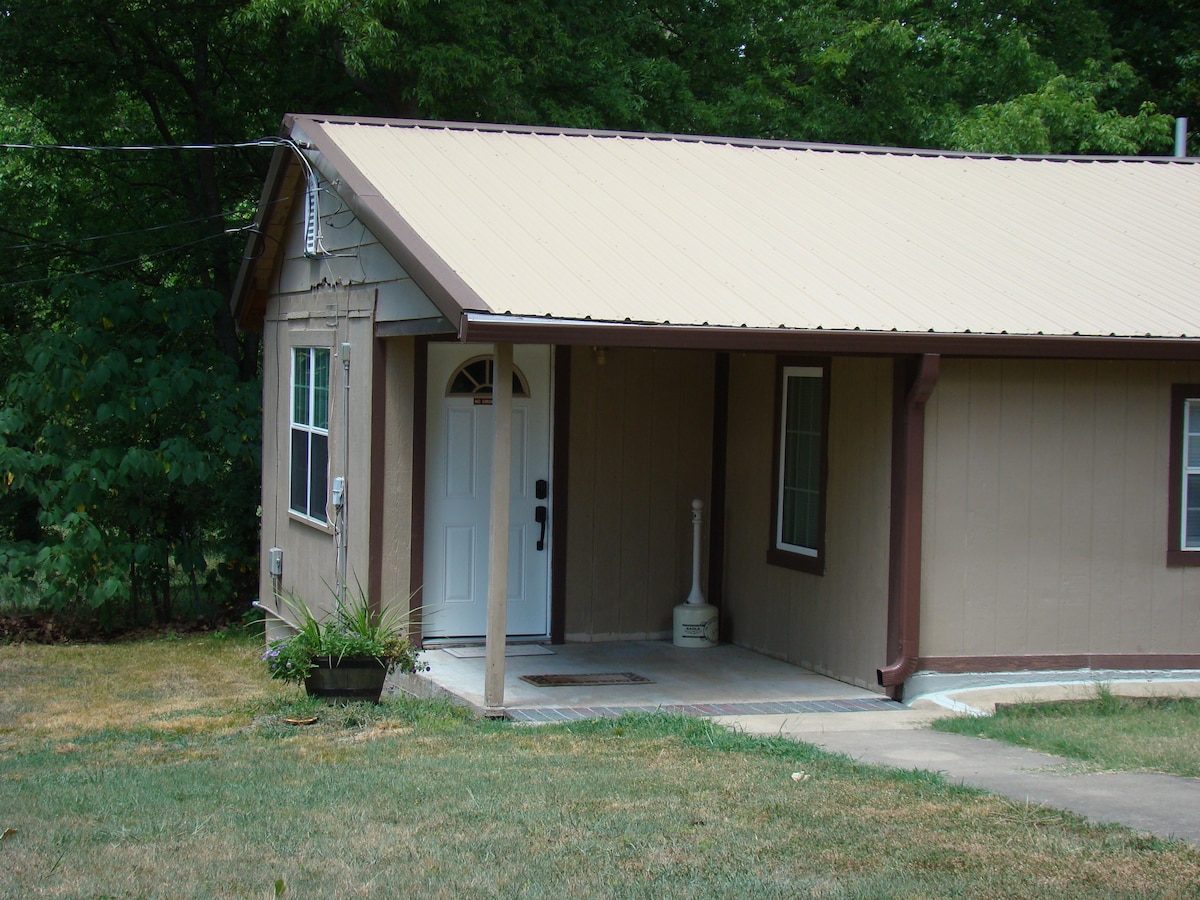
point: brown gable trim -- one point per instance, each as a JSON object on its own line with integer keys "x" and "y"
{"x": 1047, "y": 662}
{"x": 262, "y": 254}
{"x": 488, "y": 328}
{"x": 444, "y": 287}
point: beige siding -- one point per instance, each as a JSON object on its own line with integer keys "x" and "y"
{"x": 322, "y": 318}
{"x": 835, "y": 623}
{"x": 395, "y": 491}
{"x": 641, "y": 442}
{"x": 1046, "y": 511}
{"x": 305, "y": 310}
{"x": 354, "y": 257}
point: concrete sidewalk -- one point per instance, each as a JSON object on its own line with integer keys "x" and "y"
{"x": 1167, "y": 806}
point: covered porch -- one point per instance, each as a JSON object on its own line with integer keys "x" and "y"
{"x": 716, "y": 681}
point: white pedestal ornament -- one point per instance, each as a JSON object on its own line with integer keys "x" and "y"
{"x": 696, "y": 622}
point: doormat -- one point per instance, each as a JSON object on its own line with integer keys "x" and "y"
{"x": 511, "y": 650}
{"x": 586, "y": 680}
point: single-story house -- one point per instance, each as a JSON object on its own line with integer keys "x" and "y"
{"x": 942, "y": 409}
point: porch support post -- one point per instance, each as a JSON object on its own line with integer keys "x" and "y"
{"x": 497, "y": 596}
{"x": 913, "y": 385}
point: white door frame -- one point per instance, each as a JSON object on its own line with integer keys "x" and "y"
{"x": 458, "y": 491}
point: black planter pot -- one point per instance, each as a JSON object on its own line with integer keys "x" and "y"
{"x": 346, "y": 680}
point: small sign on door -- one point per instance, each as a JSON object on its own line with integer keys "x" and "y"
{"x": 483, "y": 401}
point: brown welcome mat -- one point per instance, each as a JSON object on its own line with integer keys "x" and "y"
{"x": 586, "y": 680}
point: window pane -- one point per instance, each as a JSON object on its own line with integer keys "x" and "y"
{"x": 301, "y": 380}
{"x": 299, "y": 473}
{"x": 801, "y": 477}
{"x": 319, "y": 479}
{"x": 1191, "y": 515}
{"x": 476, "y": 378}
{"x": 1191, "y": 435}
{"x": 320, "y": 417}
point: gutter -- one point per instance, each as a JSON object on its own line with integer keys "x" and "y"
{"x": 913, "y": 381}
{"x": 484, "y": 327}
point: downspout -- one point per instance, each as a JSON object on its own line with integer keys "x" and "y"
{"x": 914, "y": 382}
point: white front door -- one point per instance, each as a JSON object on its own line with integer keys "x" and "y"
{"x": 459, "y": 432}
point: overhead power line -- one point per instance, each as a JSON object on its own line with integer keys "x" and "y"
{"x": 259, "y": 142}
{"x": 126, "y": 262}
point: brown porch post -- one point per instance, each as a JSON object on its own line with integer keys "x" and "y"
{"x": 497, "y": 596}
{"x": 913, "y": 385}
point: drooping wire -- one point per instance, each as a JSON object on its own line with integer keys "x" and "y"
{"x": 272, "y": 142}
{"x": 99, "y": 148}
{"x": 42, "y": 245}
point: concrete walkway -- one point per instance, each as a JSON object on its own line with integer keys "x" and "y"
{"x": 759, "y": 695}
{"x": 1167, "y": 806}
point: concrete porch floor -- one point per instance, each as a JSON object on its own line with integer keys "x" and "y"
{"x": 715, "y": 681}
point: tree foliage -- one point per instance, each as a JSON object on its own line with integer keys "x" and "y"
{"x": 134, "y": 434}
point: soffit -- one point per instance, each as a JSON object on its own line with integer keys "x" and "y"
{"x": 653, "y": 229}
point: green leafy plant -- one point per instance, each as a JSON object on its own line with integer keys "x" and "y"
{"x": 353, "y": 631}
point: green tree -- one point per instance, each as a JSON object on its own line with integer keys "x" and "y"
{"x": 136, "y": 445}
{"x": 155, "y": 223}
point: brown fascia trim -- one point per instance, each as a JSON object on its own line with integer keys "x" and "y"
{"x": 912, "y": 385}
{"x": 256, "y": 242}
{"x": 1047, "y": 662}
{"x": 732, "y": 141}
{"x": 488, "y": 328}
{"x": 441, "y": 284}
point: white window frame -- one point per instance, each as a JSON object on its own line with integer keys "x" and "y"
{"x": 310, "y": 430}
{"x": 781, "y": 552}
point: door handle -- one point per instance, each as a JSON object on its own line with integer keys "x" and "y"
{"x": 539, "y": 516}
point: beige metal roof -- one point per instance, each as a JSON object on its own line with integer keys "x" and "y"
{"x": 692, "y": 232}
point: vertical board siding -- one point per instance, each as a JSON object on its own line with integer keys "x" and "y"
{"x": 395, "y": 493}
{"x": 326, "y": 318}
{"x": 640, "y": 442}
{"x": 835, "y": 623}
{"x": 1045, "y": 503}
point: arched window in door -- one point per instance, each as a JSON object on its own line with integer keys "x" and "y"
{"x": 474, "y": 379}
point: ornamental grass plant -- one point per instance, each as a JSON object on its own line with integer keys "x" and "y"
{"x": 353, "y": 631}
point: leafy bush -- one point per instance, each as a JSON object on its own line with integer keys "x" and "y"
{"x": 131, "y": 443}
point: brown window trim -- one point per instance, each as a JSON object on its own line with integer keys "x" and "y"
{"x": 1176, "y": 556}
{"x": 776, "y": 555}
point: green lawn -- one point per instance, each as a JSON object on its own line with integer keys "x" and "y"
{"x": 165, "y": 769}
{"x": 1110, "y": 732}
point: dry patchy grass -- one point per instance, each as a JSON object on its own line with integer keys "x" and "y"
{"x": 1109, "y": 732}
{"x": 176, "y": 684}
{"x": 157, "y": 789}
